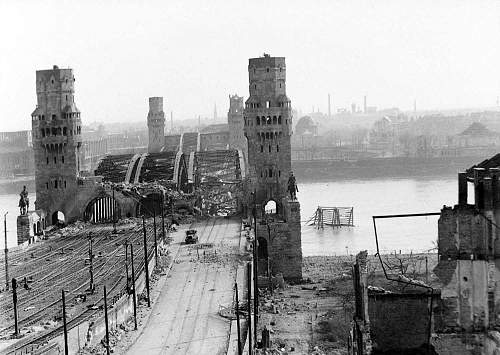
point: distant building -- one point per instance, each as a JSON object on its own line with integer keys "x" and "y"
{"x": 16, "y": 154}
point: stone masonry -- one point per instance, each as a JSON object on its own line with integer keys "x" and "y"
{"x": 267, "y": 123}
{"x": 57, "y": 141}
{"x": 156, "y": 125}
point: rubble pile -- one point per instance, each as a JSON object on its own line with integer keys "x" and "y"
{"x": 218, "y": 181}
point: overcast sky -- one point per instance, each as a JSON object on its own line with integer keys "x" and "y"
{"x": 446, "y": 54}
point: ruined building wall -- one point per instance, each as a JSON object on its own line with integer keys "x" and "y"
{"x": 398, "y": 321}
{"x": 57, "y": 142}
{"x": 156, "y": 125}
{"x": 468, "y": 268}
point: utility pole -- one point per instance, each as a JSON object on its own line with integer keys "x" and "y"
{"x": 126, "y": 266}
{"x": 255, "y": 266}
{"x": 162, "y": 217}
{"x": 237, "y": 311}
{"x": 106, "y": 319}
{"x": 65, "y": 325}
{"x": 146, "y": 266}
{"x": 114, "y": 205}
{"x": 6, "y": 252}
{"x": 154, "y": 232}
{"x": 14, "y": 299}
{"x": 249, "y": 305}
{"x": 133, "y": 285}
{"x": 91, "y": 263}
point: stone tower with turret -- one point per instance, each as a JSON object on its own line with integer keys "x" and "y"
{"x": 57, "y": 142}
{"x": 156, "y": 125}
{"x": 268, "y": 129}
{"x": 237, "y": 139}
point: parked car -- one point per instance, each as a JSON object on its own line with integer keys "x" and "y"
{"x": 191, "y": 236}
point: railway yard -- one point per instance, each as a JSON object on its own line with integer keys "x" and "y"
{"x": 62, "y": 261}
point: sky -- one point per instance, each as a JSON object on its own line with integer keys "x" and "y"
{"x": 443, "y": 54}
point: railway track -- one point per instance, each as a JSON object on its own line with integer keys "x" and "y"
{"x": 74, "y": 278}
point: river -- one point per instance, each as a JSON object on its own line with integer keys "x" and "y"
{"x": 368, "y": 197}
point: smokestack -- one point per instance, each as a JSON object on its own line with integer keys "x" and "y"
{"x": 329, "y": 107}
{"x": 364, "y": 105}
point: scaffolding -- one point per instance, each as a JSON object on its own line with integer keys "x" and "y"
{"x": 332, "y": 216}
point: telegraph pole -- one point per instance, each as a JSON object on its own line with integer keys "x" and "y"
{"x": 133, "y": 285}
{"x": 237, "y": 311}
{"x": 6, "y": 252}
{"x": 162, "y": 218}
{"x": 65, "y": 325}
{"x": 156, "y": 241}
{"x": 126, "y": 266}
{"x": 114, "y": 205}
{"x": 14, "y": 299}
{"x": 91, "y": 264}
{"x": 146, "y": 266}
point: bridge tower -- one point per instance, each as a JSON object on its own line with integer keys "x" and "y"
{"x": 57, "y": 142}
{"x": 237, "y": 139}
{"x": 156, "y": 125}
{"x": 268, "y": 129}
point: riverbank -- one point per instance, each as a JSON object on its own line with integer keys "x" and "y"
{"x": 376, "y": 168}
{"x": 314, "y": 317}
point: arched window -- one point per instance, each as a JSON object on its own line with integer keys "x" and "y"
{"x": 261, "y": 148}
{"x": 278, "y": 148}
{"x": 269, "y": 148}
{"x": 258, "y": 120}
{"x": 65, "y": 131}
{"x": 275, "y": 120}
{"x": 279, "y": 119}
{"x": 43, "y": 132}
{"x": 47, "y": 131}
{"x": 270, "y": 170}
{"x": 269, "y": 120}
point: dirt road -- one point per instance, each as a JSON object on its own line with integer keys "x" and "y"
{"x": 185, "y": 318}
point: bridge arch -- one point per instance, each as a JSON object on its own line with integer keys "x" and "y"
{"x": 101, "y": 209}
{"x": 58, "y": 218}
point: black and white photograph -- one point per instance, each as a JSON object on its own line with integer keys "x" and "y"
{"x": 236, "y": 177}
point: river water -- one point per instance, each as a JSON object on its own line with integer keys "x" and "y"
{"x": 368, "y": 197}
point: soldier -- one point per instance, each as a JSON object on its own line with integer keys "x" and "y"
{"x": 292, "y": 187}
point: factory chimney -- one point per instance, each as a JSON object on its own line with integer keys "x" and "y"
{"x": 329, "y": 107}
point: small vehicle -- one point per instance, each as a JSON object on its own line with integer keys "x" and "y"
{"x": 191, "y": 236}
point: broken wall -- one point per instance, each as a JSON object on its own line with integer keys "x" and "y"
{"x": 398, "y": 321}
